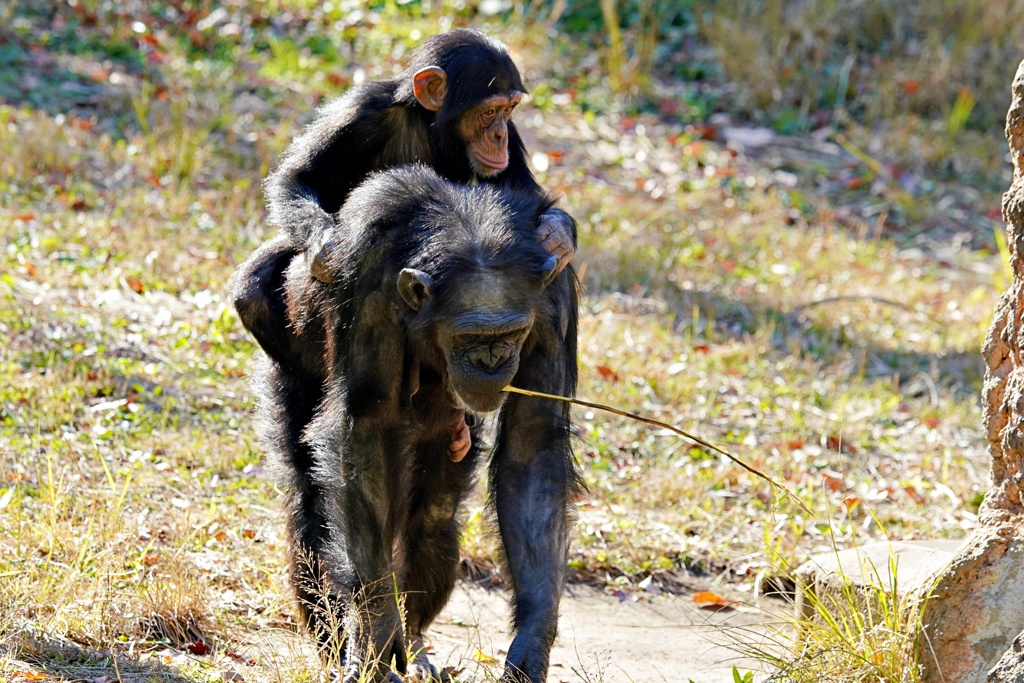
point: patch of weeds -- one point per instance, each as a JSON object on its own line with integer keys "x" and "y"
{"x": 843, "y": 629}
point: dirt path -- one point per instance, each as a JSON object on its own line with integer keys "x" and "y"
{"x": 602, "y": 639}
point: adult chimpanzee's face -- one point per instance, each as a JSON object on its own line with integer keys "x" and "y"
{"x": 480, "y": 331}
{"x": 484, "y": 129}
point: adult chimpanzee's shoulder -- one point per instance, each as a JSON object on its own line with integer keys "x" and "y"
{"x": 392, "y": 197}
{"x": 387, "y": 211}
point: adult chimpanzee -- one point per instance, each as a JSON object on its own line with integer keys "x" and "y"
{"x": 438, "y": 296}
{"x": 450, "y": 109}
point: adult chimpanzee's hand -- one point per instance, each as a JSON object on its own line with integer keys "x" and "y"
{"x": 555, "y": 234}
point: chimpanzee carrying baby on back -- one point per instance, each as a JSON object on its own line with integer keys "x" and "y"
{"x": 419, "y": 299}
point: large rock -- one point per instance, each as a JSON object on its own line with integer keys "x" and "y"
{"x": 1010, "y": 668}
{"x": 903, "y": 567}
{"x": 977, "y": 608}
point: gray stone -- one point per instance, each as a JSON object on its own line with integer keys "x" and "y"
{"x": 1010, "y": 668}
{"x": 907, "y": 566}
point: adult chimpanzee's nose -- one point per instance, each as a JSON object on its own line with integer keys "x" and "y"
{"x": 489, "y": 358}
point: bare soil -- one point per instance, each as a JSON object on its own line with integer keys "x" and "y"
{"x": 602, "y": 637}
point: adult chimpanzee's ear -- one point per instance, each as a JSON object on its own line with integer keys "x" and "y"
{"x": 429, "y": 85}
{"x": 414, "y": 286}
{"x": 319, "y": 266}
{"x": 551, "y": 270}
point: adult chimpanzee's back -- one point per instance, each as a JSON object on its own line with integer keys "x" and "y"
{"x": 439, "y": 296}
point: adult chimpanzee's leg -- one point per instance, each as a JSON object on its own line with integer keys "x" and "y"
{"x": 430, "y": 542}
{"x": 257, "y": 289}
{"x": 533, "y": 478}
{"x": 353, "y": 467}
{"x": 322, "y": 611}
{"x": 288, "y": 405}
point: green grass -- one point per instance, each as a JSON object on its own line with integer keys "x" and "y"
{"x": 819, "y": 315}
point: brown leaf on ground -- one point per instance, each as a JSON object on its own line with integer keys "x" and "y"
{"x": 833, "y": 480}
{"x": 713, "y": 601}
{"x": 915, "y": 495}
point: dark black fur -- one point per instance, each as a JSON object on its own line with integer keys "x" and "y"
{"x": 373, "y": 494}
{"x": 373, "y": 127}
{"x": 380, "y": 125}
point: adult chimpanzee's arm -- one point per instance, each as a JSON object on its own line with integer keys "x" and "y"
{"x": 533, "y": 478}
{"x": 352, "y": 469}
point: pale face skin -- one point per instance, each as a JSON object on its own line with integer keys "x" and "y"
{"x": 484, "y": 128}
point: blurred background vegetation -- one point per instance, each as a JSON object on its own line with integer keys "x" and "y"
{"x": 795, "y": 64}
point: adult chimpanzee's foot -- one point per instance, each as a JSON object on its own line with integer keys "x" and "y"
{"x": 420, "y": 668}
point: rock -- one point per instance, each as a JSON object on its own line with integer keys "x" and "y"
{"x": 907, "y": 566}
{"x": 1010, "y": 668}
{"x": 977, "y": 608}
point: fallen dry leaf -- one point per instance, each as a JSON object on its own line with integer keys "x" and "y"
{"x": 833, "y": 480}
{"x": 484, "y": 658}
{"x": 915, "y": 495}
{"x": 910, "y": 86}
{"x": 713, "y": 601}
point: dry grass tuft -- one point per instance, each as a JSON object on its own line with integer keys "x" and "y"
{"x": 174, "y": 607}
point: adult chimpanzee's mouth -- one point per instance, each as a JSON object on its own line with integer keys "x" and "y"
{"x": 480, "y": 397}
{"x": 483, "y": 403}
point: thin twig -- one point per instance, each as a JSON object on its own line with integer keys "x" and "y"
{"x": 657, "y": 423}
{"x": 854, "y": 297}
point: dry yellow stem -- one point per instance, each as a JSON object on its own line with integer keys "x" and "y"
{"x": 692, "y": 437}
